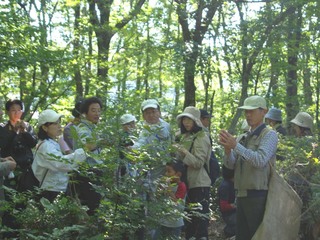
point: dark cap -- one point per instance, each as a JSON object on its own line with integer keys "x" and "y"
{"x": 204, "y": 113}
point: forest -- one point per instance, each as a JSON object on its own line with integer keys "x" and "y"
{"x": 211, "y": 54}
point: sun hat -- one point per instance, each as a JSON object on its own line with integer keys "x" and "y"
{"x": 48, "y": 116}
{"x": 149, "y": 103}
{"x": 190, "y": 112}
{"x": 274, "y": 114}
{"x": 126, "y": 118}
{"x": 303, "y": 119}
{"x": 254, "y": 102}
{"x": 204, "y": 114}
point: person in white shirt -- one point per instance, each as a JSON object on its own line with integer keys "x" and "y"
{"x": 50, "y": 165}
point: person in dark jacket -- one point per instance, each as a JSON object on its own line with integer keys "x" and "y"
{"x": 20, "y": 139}
{"x": 226, "y": 196}
{"x": 214, "y": 166}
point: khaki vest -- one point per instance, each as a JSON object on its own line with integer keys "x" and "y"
{"x": 248, "y": 177}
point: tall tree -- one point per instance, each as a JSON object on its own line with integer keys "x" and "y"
{"x": 294, "y": 38}
{"x": 105, "y": 29}
{"x": 249, "y": 56}
{"x": 194, "y": 18}
{"x": 76, "y": 48}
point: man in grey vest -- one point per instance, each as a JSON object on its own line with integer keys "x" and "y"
{"x": 249, "y": 155}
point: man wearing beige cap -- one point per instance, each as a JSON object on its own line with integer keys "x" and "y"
{"x": 249, "y": 155}
{"x": 156, "y": 130}
{"x": 154, "y": 139}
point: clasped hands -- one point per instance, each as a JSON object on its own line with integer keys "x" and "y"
{"x": 227, "y": 140}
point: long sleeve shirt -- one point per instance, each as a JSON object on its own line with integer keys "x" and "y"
{"x": 259, "y": 158}
{"x": 51, "y": 167}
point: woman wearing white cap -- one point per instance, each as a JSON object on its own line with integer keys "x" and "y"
{"x": 50, "y": 166}
{"x": 194, "y": 150}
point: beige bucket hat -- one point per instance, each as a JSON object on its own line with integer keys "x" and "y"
{"x": 303, "y": 119}
{"x": 190, "y": 112}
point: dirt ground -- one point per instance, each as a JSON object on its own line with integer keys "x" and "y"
{"x": 216, "y": 229}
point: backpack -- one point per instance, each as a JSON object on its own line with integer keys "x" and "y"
{"x": 27, "y": 180}
{"x": 213, "y": 169}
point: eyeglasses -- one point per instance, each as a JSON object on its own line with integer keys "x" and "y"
{"x": 15, "y": 111}
{"x": 151, "y": 111}
{"x": 51, "y": 123}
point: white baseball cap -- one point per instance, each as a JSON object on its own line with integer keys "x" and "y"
{"x": 149, "y": 103}
{"x": 48, "y": 116}
{"x": 126, "y": 118}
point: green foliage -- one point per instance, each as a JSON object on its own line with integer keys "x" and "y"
{"x": 301, "y": 168}
{"x": 46, "y": 53}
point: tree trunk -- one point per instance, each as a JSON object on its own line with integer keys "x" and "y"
{"x": 192, "y": 37}
{"x": 294, "y": 36}
{"x": 307, "y": 89}
{"x": 105, "y": 31}
{"x": 76, "y": 45}
{"x": 147, "y": 65}
{"x": 189, "y": 72}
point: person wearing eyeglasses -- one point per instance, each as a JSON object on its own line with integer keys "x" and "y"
{"x": 249, "y": 155}
{"x": 51, "y": 166}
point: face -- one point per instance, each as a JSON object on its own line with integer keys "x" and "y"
{"x": 53, "y": 129}
{"x": 255, "y": 117}
{"x": 188, "y": 123}
{"x": 270, "y": 122}
{"x": 15, "y": 112}
{"x": 205, "y": 121}
{"x": 94, "y": 113}
{"x": 172, "y": 174}
{"x": 129, "y": 127}
{"x": 151, "y": 115}
{"x": 297, "y": 130}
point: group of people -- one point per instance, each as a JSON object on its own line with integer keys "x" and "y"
{"x": 54, "y": 153}
{"x": 187, "y": 169}
{"x": 39, "y": 160}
